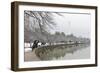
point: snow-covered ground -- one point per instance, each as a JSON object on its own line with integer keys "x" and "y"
{"x": 28, "y": 49}
{"x": 28, "y": 44}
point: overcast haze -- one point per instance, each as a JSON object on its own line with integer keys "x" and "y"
{"x": 77, "y": 24}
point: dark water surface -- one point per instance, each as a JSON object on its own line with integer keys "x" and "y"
{"x": 63, "y": 52}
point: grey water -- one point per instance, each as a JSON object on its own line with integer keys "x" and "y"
{"x": 64, "y": 52}
{"x": 79, "y": 54}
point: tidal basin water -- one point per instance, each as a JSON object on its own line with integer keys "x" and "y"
{"x": 62, "y": 52}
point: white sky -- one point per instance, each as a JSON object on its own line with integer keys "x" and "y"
{"x": 78, "y": 24}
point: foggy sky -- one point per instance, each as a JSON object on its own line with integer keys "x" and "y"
{"x": 77, "y": 24}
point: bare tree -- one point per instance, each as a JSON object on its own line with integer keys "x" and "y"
{"x": 43, "y": 19}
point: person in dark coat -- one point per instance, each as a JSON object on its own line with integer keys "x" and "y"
{"x": 35, "y": 44}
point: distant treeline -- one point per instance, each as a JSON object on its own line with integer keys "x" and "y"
{"x": 51, "y": 38}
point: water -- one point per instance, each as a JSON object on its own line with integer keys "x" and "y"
{"x": 58, "y": 52}
{"x": 79, "y": 54}
{"x": 65, "y": 52}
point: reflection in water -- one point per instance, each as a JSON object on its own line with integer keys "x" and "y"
{"x": 58, "y": 52}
